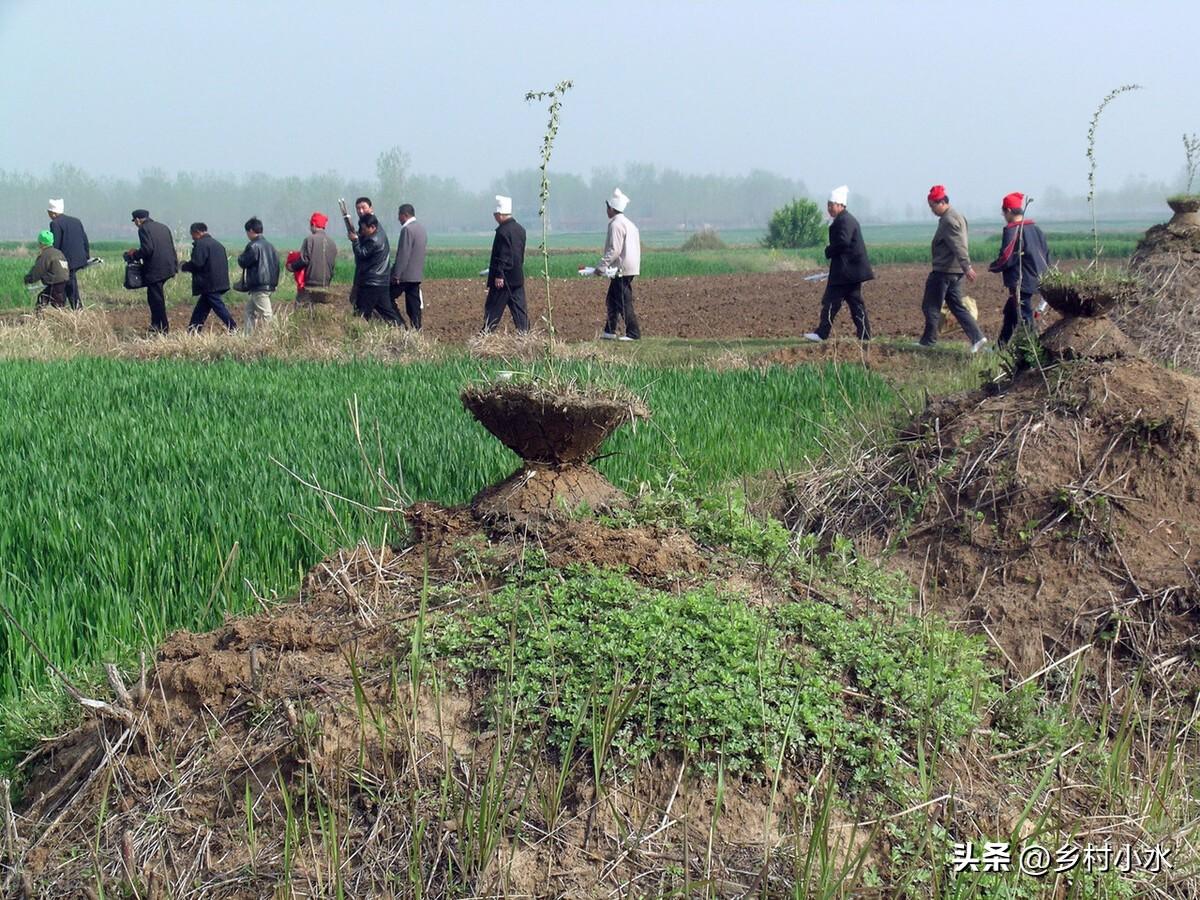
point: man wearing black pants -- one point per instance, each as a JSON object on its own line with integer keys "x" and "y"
{"x": 156, "y": 250}
{"x": 506, "y": 271}
{"x": 409, "y": 268}
{"x": 209, "y": 266}
{"x": 848, "y": 269}
{"x": 618, "y": 303}
{"x": 951, "y": 264}
{"x": 372, "y": 272}
{"x": 72, "y": 240}
{"x": 622, "y": 262}
{"x": 1024, "y": 256}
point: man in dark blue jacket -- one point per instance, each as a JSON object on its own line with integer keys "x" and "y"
{"x": 1024, "y": 256}
{"x": 373, "y": 271}
{"x": 506, "y": 271}
{"x": 209, "y": 266}
{"x": 848, "y": 269}
{"x": 156, "y": 250}
{"x": 260, "y": 276}
{"x": 72, "y": 240}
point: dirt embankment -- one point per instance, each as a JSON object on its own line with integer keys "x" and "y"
{"x": 1058, "y": 514}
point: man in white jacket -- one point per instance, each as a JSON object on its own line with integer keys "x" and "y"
{"x": 621, "y": 262}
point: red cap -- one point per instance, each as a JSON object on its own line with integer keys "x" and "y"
{"x": 1015, "y": 200}
{"x": 937, "y": 192}
{"x": 320, "y": 220}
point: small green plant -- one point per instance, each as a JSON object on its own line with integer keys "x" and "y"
{"x": 1091, "y": 155}
{"x": 1191, "y": 150}
{"x": 555, "y": 96}
{"x": 793, "y": 226}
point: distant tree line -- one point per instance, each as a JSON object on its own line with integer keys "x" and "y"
{"x": 663, "y": 199}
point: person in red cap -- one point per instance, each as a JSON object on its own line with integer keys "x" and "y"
{"x": 318, "y": 253}
{"x": 1024, "y": 256}
{"x": 951, "y": 264}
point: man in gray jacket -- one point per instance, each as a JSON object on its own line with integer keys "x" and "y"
{"x": 318, "y": 254}
{"x": 951, "y": 264}
{"x": 409, "y": 269}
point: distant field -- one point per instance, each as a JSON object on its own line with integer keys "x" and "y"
{"x": 105, "y": 282}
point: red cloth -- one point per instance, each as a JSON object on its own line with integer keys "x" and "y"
{"x": 294, "y": 257}
{"x": 320, "y": 220}
{"x": 1015, "y": 200}
{"x": 937, "y": 192}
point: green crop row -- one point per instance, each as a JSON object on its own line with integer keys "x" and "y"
{"x": 127, "y": 486}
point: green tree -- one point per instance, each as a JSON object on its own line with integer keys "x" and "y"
{"x": 391, "y": 167}
{"x": 796, "y": 225}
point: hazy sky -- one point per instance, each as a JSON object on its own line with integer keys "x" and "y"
{"x": 889, "y": 97}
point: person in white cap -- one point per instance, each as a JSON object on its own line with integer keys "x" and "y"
{"x": 72, "y": 240}
{"x": 848, "y": 269}
{"x": 622, "y": 262}
{"x": 506, "y": 271}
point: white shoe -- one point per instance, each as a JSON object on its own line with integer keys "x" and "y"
{"x": 608, "y": 336}
{"x": 625, "y": 337}
{"x": 978, "y": 345}
{"x": 813, "y": 336}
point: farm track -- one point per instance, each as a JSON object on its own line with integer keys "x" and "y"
{"x": 713, "y": 307}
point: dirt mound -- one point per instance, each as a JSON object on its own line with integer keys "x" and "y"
{"x": 536, "y": 493}
{"x": 1163, "y": 319}
{"x": 1059, "y": 516}
{"x": 262, "y": 721}
{"x": 1077, "y": 337}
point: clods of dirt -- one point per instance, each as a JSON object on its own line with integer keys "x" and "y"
{"x": 1079, "y": 337}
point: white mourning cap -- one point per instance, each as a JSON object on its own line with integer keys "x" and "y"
{"x": 503, "y": 205}
{"x": 618, "y": 201}
{"x": 839, "y": 195}
{"x": 55, "y": 206}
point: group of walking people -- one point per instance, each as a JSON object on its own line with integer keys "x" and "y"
{"x": 1023, "y": 257}
{"x": 380, "y": 280}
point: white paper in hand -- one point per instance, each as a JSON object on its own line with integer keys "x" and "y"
{"x": 587, "y": 271}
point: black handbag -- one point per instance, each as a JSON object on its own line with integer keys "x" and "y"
{"x": 240, "y": 285}
{"x": 134, "y": 275}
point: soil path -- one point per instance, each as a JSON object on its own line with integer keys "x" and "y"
{"x": 777, "y": 305}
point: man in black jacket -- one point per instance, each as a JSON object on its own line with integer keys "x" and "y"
{"x": 72, "y": 240}
{"x": 209, "y": 266}
{"x": 260, "y": 275}
{"x": 156, "y": 250}
{"x": 506, "y": 271}
{"x": 848, "y": 269}
{"x": 372, "y": 271}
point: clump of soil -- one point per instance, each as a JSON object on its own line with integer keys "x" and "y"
{"x": 550, "y": 426}
{"x": 1163, "y": 319}
{"x": 1080, "y": 294}
{"x": 1059, "y": 515}
{"x": 555, "y": 432}
{"x": 1079, "y": 337}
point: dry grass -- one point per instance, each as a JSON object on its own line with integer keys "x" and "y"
{"x": 64, "y": 334}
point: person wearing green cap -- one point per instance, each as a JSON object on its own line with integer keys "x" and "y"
{"x": 51, "y": 269}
